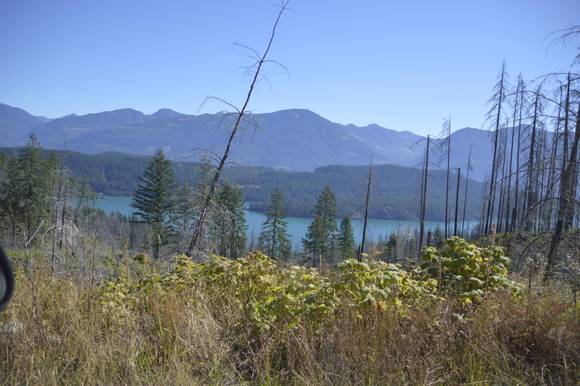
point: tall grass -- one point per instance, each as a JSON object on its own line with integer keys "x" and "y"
{"x": 57, "y": 331}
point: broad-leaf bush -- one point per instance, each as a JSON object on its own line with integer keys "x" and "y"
{"x": 270, "y": 296}
{"x": 466, "y": 271}
{"x": 382, "y": 285}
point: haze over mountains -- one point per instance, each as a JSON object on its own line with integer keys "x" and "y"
{"x": 296, "y": 139}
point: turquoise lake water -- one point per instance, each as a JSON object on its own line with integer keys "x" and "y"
{"x": 297, "y": 226}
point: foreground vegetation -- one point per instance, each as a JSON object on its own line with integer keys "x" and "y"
{"x": 455, "y": 318}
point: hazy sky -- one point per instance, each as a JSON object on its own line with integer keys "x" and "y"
{"x": 401, "y": 64}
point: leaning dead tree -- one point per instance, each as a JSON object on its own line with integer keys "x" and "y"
{"x": 240, "y": 113}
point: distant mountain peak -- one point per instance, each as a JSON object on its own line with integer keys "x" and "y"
{"x": 295, "y": 113}
{"x": 165, "y": 113}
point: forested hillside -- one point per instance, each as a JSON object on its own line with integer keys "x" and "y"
{"x": 395, "y": 189}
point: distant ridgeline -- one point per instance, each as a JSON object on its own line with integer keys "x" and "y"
{"x": 394, "y": 194}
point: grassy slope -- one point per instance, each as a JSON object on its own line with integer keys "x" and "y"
{"x": 56, "y": 332}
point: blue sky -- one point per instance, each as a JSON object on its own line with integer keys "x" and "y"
{"x": 402, "y": 64}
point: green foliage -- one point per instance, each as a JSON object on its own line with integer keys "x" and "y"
{"x": 320, "y": 240}
{"x": 154, "y": 199}
{"x": 252, "y": 321}
{"x": 390, "y": 248}
{"x": 437, "y": 237}
{"x": 383, "y": 286}
{"x": 274, "y": 237}
{"x": 117, "y": 174}
{"x": 346, "y": 239}
{"x": 25, "y": 190}
{"x": 268, "y": 296}
{"x": 467, "y": 271}
{"x": 230, "y": 229}
{"x": 183, "y": 212}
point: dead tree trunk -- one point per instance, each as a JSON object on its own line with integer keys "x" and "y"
{"x": 465, "y": 196}
{"x": 447, "y": 130}
{"x": 515, "y": 216}
{"x": 507, "y": 224}
{"x": 362, "y": 245}
{"x": 240, "y": 115}
{"x": 457, "y": 201}
{"x": 567, "y": 200}
{"x": 530, "y": 183}
{"x": 423, "y": 196}
{"x": 503, "y": 158}
{"x": 552, "y": 166}
{"x": 492, "y": 187}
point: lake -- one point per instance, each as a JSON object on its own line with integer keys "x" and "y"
{"x": 297, "y": 226}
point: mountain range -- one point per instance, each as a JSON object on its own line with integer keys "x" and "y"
{"x": 293, "y": 140}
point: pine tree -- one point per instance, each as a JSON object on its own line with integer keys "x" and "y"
{"x": 26, "y": 191}
{"x": 154, "y": 200}
{"x": 390, "y": 248}
{"x": 320, "y": 238}
{"x": 184, "y": 213}
{"x": 10, "y": 207}
{"x": 274, "y": 237}
{"x": 204, "y": 172}
{"x": 35, "y": 180}
{"x": 346, "y": 239}
{"x": 438, "y": 237}
{"x": 230, "y": 232}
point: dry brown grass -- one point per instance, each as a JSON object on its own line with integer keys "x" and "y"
{"x": 54, "y": 332}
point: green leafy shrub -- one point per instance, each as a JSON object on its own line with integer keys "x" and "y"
{"x": 382, "y": 285}
{"x": 267, "y": 296}
{"x": 466, "y": 271}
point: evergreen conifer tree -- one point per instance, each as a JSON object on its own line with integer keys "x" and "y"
{"x": 231, "y": 223}
{"x": 204, "y": 172}
{"x": 390, "y": 248}
{"x": 274, "y": 237}
{"x": 154, "y": 200}
{"x": 35, "y": 178}
{"x": 346, "y": 239}
{"x": 184, "y": 213}
{"x": 320, "y": 240}
{"x": 26, "y": 190}
{"x": 10, "y": 191}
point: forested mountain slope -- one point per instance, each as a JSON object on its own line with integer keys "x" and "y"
{"x": 395, "y": 189}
